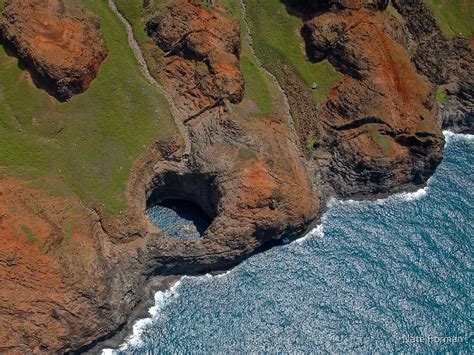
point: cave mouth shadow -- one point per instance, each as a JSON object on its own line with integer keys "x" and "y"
{"x": 180, "y": 218}
{"x": 183, "y": 205}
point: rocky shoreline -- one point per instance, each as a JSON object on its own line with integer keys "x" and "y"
{"x": 377, "y": 132}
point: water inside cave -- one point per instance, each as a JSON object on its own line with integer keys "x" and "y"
{"x": 179, "y": 218}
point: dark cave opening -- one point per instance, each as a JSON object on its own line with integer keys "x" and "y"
{"x": 182, "y": 205}
{"x": 179, "y": 218}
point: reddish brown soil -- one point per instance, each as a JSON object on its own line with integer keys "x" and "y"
{"x": 45, "y": 259}
{"x": 201, "y": 66}
{"x": 63, "y": 51}
{"x": 379, "y": 124}
{"x": 72, "y": 275}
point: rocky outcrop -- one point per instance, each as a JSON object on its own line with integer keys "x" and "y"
{"x": 62, "y": 51}
{"x": 53, "y": 294}
{"x": 377, "y": 132}
{"x": 447, "y": 63}
{"x": 314, "y": 6}
{"x": 378, "y": 127}
{"x": 202, "y": 47}
{"x": 243, "y": 171}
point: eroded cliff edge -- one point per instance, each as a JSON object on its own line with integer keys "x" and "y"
{"x": 377, "y": 131}
{"x": 62, "y": 49}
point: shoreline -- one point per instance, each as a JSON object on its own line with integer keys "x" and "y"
{"x": 141, "y": 311}
{"x": 165, "y": 283}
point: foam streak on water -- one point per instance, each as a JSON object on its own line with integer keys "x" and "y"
{"x": 392, "y": 275}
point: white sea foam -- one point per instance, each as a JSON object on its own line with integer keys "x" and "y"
{"x": 450, "y": 136}
{"x": 224, "y": 274}
{"x": 416, "y": 195}
{"x": 397, "y": 197}
{"x": 317, "y": 232}
{"x": 406, "y": 196}
{"x": 161, "y": 300}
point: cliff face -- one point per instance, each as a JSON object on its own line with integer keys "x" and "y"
{"x": 63, "y": 52}
{"x": 447, "y": 63}
{"x": 203, "y": 49}
{"x": 53, "y": 285}
{"x": 378, "y": 131}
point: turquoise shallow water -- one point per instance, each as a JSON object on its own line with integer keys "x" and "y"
{"x": 375, "y": 276}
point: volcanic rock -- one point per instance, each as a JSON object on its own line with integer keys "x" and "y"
{"x": 377, "y": 132}
{"x": 202, "y": 49}
{"x": 379, "y": 128}
{"x": 453, "y": 72}
{"x": 63, "y": 52}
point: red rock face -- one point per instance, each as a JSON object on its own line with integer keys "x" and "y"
{"x": 202, "y": 48}
{"x": 51, "y": 279}
{"x": 63, "y": 51}
{"x": 379, "y": 127}
{"x": 378, "y": 133}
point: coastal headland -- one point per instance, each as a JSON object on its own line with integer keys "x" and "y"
{"x": 256, "y": 112}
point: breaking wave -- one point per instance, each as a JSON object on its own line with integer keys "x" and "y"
{"x": 371, "y": 275}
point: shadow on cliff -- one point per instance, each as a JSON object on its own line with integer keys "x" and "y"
{"x": 306, "y": 10}
{"x": 40, "y": 82}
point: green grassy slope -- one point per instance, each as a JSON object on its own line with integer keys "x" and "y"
{"x": 90, "y": 142}
{"x": 136, "y": 15}
{"x": 257, "y": 86}
{"x": 277, "y": 42}
{"x": 455, "y": 17}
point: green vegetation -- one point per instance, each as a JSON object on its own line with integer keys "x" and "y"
{"x": 441, "y": 95}
{"x": 380, "y": 139}
{"x": 412, "y": 49}
{"x": 91, "y": 141}
{"x": 257, "y": 85}
{"x": 455, "y": 17}
{"x": 137, "y": 16}
{"x": 246, "y": 153}
{"x": 30, "y": 237}
{"x": 278, "y": 43}
{"x": 206, "y": 3}
{"x": 393, "y": 11}
{"x": 68, "y": 231}
{"x": 312, "y": 145}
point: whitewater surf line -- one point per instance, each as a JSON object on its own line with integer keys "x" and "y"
{"x": 163, "y": 298}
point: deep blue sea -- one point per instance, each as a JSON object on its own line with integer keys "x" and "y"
{"x": 393, "y": 275}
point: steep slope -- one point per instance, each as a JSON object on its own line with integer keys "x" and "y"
{"x": 453, "y": 74}
{"x": 359, "y": 118}
{"x": 64, "y": 52}
{"x": 379, "y": 126}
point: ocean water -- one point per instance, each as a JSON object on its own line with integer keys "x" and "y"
{"x": 179, "y": 219}
{"x": 393, "y": 275}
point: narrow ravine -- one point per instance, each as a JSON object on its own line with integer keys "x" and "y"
{"x": 146, "y": 72}
{"x": 272, "y": 77}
